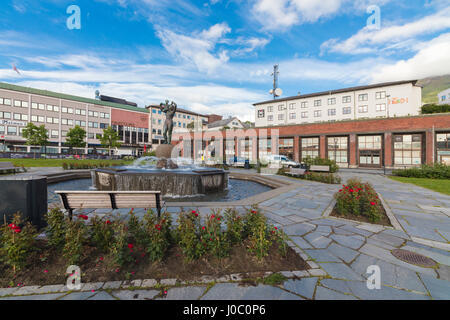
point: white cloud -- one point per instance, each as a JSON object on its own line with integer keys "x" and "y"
{"x": 204, "y": 99}
{"x": 433, "y": 59}
{"x": 371, "y": 40}
{"x": 283, "y": 14}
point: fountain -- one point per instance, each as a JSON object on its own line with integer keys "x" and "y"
{"x": 178, "y": 177}
{"x": 173, "y": 177}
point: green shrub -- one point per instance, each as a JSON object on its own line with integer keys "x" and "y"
{"x": 188, "y": 235}
{"x": 435, "y": 108}
{"x": 281, "y": 238}
{"x": 323, "y": 177}
{"x": 76, "y": 238}
{"x": 435, "y": 171}
{"x": 322, "y": 162}
{"x": 156, "y": 235}
{"x": 357, "y": 198}
{"x": 212, "y": 234}
{"x": 16, "y": 242}
{"x": 56, "y": 228}
{"x": 102, "y": 235}
{"x": 121, "y": 249}
{"x": 259, "y": 238}
{"x": 235, "y": 226}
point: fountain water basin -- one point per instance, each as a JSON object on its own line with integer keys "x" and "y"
{"x": 143, "y": 175}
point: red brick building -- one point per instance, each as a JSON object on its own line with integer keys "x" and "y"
{"x": 390, "y": 142}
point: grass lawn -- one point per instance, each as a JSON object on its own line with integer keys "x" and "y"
{"x": 56, "y": 162}
{"x": 439, "y": 185}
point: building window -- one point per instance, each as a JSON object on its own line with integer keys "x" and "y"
{"x": 369, "y": 149}
{"x": 261, "y": 113}
{"x": 346, "y": 99}
{"x": 338, "y": 149}
{"x": 54, "y": 134}
{"x": 380, "y": 95}
{"x": 7, "y": 102}
{"x": 24, "y": 117}
{"x": 363, "y": 97}
{"x": 64, "y": 109}
{"x": 63, "y": 133}
{"x": 41, "y": 119}
{"x": 304, "y": 104}
{"x": 2, "y": 129}
{"x": 363, "y": 109}
{"x": 17, "y": 103}
{"x": 56, "y": 108}
{"x": 270, "y": 118}
{"x": 331, "y": 101}
{"x": 49, "y": 120}
{"x": 304, "y": 114}
{"x": 77, "y": 111}
{"x": 292, "y": 116}
{"x": 309, "y": 148}
{"x": 317, "y": 113}
{"x": 408, "y": 149}
{"x": 17, "y": 116}
{"x": 12, "y": 131}
{"x": 443, "y": 147}
{"x": 41, "y": 106}
{"x": 91, "y": 135}
{"x": 34, "y": 105}
{"x": 346, "y": 110}
{"x": 317, "y": 103}
{"x": 281, "y": 107}
{"x": 381, "y": 107}
{"x": 286, "y": 147}
{"x": 291, "y": 106}
{"x": 281, "y": 117}
{"x": 270, "y": 109}
{"x": 331, "y": 112}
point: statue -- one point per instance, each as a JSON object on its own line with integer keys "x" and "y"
{"x": 169, "y": 110}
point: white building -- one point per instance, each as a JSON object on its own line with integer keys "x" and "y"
{"x": 444, "y": 97}
{"x": 392, "y": 99}
{"x": 229, "y": 123}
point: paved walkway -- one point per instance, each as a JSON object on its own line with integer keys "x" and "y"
{"x": 342, "y": 249}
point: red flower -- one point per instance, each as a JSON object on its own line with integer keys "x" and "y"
{"x": 340, "y": 190}
{"x": 254, "y": 211}
{"x": 351, "y": 190}
{"x": 203, "y": 228}
{"x": 218, "y": 219}
{"x": 130, "y": 246}
{"x": 275, "y": 228}
{"x": 101, "y": 258}
{"x": 82, "y": 216}
{"x": 213, "y": 216}
{"x": 17, "y": 230}
{"x": 108, "y": 222}
{"x": 372, "y": 203}
{"x": 158, "y": 227}
{"x": 12, "y": 226}
{"x": 193, "y": 211}
{"x": 196, "y": 214}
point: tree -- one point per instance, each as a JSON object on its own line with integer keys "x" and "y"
{"x": 36, "y": 136}
{"x": 190, "y": 125}
{"x": 76, "y": 137}
{"x": 110, "y": 139}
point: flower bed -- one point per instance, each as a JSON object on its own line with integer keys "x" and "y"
{"x": 89, "y": 165}
{"x": 109, "y": 249}
{"x": 359, "y": 201}
{"x": 324, "y": 177}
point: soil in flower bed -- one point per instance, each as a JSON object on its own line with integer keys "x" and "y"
{"x": 47, "y": 267}
{"x": 384, "y": 220}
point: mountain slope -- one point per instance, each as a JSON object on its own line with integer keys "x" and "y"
{"x": 432, "y": 86}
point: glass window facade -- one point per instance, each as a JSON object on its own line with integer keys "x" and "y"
{"x": 309, "y": 147}
{"x": 370, "y": 151}
{"x": 408, "y": 149}
{"x": 443, "y": 148}
{"x": 286, "y": 147}
{"x": 338, "y": 149}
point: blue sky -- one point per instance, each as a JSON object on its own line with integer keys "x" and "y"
{"x": 216, "y": 56}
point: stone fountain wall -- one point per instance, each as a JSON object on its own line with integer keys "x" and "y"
{"x": 173, "y": 183}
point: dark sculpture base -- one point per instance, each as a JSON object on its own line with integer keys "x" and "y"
{"x": 164, "y": 153}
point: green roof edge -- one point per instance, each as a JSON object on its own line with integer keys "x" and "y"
{"x": 64, "y": 96}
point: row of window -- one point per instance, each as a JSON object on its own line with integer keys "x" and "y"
{"x": 331, "y": 112}
{"x": 179, "y": 115}
{"x": 331, "y": 101}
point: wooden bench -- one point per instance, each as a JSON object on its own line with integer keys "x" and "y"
{"x": 110, "y": 200}
{"x": 296, "y": 172}
{"x": 319, "y": 168}
{"x": 239, "y": 164}
{"x": 8, "y": 167}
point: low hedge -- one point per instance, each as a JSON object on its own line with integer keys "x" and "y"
{"x": 436, "y": 171}
{"x": 89, "y": 165}
{"x": 435, "y": 108}
{"x": 322, "y": 162}
{"x": 323, "y": 177}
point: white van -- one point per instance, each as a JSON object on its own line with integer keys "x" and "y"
{"x": 281, "y": 161}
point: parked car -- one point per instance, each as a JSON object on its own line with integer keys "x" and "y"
{"x": 281, "y": 160}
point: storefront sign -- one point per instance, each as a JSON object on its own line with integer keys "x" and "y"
{"x": 12, "y": 123}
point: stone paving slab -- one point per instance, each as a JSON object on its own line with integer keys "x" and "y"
{"x": 304, "y": 287}
{"x": 232, "y": 291}
{"x": 184, "y": 293}
{"x": 51, "y": 296}
{"x": 135, "y": 294}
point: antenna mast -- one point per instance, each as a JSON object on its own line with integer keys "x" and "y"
{"x": 276, "y": 92}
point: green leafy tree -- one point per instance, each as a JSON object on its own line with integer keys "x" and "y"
{"x": 110, "y": 139}
{"x": 36, "y": 136}
{"x": 76, "y": 137}
{"x": 190, "y": 125}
